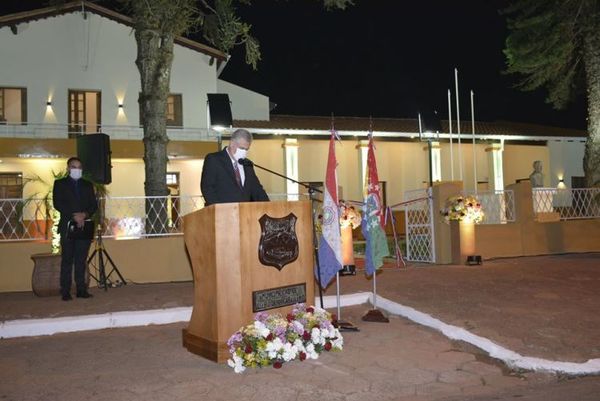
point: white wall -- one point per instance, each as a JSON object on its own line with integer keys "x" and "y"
{"x": 566, "y": 161}
{"x": 245, "y": 104}
{"x": 52, "y": 55}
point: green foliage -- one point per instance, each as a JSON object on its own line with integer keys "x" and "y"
{"x": 545, "y": 46}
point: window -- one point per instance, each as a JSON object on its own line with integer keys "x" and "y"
{"x": 13, "y": 105}
{"x": 174, "y": 111}
{"x": 84, "y": 112}
{"x": 11, "y": 187}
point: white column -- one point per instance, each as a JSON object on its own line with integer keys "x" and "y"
{"x": 436, "y": 162}
{"x": 290, "y": 147}
{"x": 495, "y": 168}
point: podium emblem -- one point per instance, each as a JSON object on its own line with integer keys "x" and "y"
{"x": 278, "y": 241}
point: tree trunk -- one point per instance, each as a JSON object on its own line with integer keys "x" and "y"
{"x": 591, "y": 159}
{"x": 154, "y": 60}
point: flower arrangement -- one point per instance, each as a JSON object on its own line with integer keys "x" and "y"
{"x": 463, "y": 208}
{"x": 272, "y": 339}
{"x": 349, "y": 216}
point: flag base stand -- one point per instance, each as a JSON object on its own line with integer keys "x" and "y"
{"x": 343, "y": 325}
{"x": 348, "y": 270}
{"x": 375, "y": 315}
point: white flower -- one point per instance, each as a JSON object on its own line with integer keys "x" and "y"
{"x": 315, "y": 335}
{"x": 289, "y": 352}
{"x": 338, "y": 343}
{"x": 310, "y": 352}
{"x": 273, "y": 347}
{"x": 261, "y": 329}
{"x": 236, "y": 364}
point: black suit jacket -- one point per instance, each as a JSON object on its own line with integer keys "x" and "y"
{"x": 219, "y": 185}
{"x": 67, "y": 202}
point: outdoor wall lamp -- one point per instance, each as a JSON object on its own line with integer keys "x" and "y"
{"x": 49, "y": 103}
{"x": 120, "y": 105}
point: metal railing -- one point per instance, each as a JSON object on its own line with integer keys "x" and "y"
{"x": 498, "y": 206}
{"x": 48, "y": 130}
{"x": 123, "y": 217}
{"x": 570, "y": 204}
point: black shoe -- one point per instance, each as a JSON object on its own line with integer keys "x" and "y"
{"x": 84, "y": 294}
{"x": 67, "y": 297}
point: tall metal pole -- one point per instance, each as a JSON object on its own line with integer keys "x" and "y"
{"x": 473, "y": 133}
{"x": 450, "y": 131}
{"x": 460, "y": 163}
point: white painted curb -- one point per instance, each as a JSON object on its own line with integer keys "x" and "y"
{"x": 511, "y": 358}
{"x": 41, "y": 327}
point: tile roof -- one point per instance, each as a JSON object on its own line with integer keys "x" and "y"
{"x": 52, "y": 11}
{"x": 404, "y": 125}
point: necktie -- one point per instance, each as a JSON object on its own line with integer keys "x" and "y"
{"x": 238, "y": 177}
{"x": 76, "y": 184}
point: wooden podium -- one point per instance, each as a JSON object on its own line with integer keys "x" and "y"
{"x": 231, "y": 282}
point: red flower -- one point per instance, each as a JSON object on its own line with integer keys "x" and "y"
{"x": 302, "y": 356}
{"x": 310, "y": 309}
{"x": 248, "y": 349}
{"x": 277, "y": 365}
{"x": 290, "y": 317}
{"x": 327, "y": 346}
{"x": 270, "y": 337}
{"x": 306, "y": 336}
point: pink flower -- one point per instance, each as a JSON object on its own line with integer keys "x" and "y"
{"x": 306, "y": 336}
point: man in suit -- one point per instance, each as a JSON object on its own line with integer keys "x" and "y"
{"x": 225, "y": 179}
{"x": 75, "y": 199}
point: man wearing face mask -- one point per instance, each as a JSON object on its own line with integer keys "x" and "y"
{"x": 225, "y": 179}
{"x": 75, "y": 199}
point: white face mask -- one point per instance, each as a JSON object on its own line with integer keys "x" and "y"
{"x": 240, "y": 154}
{"x": 75, "y": 173}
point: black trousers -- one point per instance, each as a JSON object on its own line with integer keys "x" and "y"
{"x": 73, "y": 257}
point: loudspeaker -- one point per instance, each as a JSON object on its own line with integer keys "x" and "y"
{"x": 219, "y": 109}
{"x": 94, "y": 152}
{"x": 430, "y": 121}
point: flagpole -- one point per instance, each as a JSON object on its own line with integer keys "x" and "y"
{"x": 450, "y": 131}
{"x": 373, "y": 226}
{"x": 473, "y": 133}
{"x": 460, "y": 163}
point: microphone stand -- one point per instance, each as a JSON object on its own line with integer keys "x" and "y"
{"x": 311, "y": 194}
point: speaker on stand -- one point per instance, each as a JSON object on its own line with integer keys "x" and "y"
{"x": 94, "y": 152}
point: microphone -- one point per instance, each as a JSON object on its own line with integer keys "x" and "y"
{"x": 245, "y": 162}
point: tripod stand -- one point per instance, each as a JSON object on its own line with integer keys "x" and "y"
{"x": 102, "y": 278}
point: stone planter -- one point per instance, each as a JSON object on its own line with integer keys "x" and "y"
{"x": 462, "y": 235}
{"x": 45, "y": 280}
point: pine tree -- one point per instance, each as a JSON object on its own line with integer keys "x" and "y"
{"x": 555, "y": 44}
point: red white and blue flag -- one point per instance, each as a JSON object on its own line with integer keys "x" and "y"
{"x": 330, "y": 242}
{"x": 373, "y": 217}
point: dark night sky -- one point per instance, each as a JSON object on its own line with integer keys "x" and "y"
{"x": 384, "y": 58}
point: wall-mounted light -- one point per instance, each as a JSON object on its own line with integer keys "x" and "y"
{"x": 49, "y": 103}
{"x": 120, "y": 105}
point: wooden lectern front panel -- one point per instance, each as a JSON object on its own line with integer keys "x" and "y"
{"x": 223, "y": 242}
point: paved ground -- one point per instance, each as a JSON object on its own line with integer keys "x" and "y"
{"x": 542, "y": 306}
{"x": 400, "y": 361}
